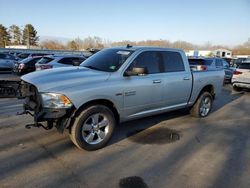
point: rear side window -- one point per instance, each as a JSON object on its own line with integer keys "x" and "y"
{"x": 77, "y": 61}
{"x": 207, "y": 62}
{"x": 172, "y": 62}
{"x": 72, "y": 60}
{"x": 150, "y": 60}
{"x": 45, "y": 60}
{"x": 244, "y": 66}
{"x": 66, "y": 61}
{"x": 23, "y": 55}
{"x": 218, "y": 63}
{"x": 34, "y": 60}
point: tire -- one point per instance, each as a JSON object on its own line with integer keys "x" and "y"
{"x": 202, "y": 106}
{"x": 235, "y": 88}
{"x": 93, "y": 128}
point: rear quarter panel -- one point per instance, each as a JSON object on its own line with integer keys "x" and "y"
{"x": 202, "y": 79}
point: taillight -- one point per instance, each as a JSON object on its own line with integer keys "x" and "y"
{"x": 21, "y": 66}
{"x": 237, "y": 72}
{"x": 46, "y": 66}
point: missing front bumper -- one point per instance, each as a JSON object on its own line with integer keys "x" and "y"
{"x": 49, "y": 118}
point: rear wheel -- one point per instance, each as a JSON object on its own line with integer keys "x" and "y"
{"x": 93, "y": 128}
{"x": 237, "y": 88}
{"x": 203, "y": 105}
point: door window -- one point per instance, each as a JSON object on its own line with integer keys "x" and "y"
{"x": 66, "y": 61}
{"x": 172, "y": 62}
{"x": 151, "y": 60}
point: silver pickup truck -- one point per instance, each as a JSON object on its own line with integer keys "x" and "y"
{"x": 116, "y": 85}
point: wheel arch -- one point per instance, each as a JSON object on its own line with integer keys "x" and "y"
{"x": 208, "y": 88}
{"x": 104, "y": 102}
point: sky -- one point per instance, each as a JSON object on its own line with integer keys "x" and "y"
{"x": 225, "y": 22}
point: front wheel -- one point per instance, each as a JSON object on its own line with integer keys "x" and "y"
{"x": 203, "y": 105}
{"x": 93, "y": 127}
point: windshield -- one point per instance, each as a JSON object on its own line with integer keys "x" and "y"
{"x": 108, "y": 60}
{"x": 200, "y": 61}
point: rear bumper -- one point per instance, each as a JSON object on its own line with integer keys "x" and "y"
{"x": 242, "y": 84}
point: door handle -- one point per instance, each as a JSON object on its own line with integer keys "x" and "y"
{"x": 156, "y": 81}
{"x": 186, "y": 78}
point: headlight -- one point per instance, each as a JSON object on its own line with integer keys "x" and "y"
{"x": 54, "y": 100}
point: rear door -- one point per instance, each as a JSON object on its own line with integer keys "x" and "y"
{"x": 177, "y": 80}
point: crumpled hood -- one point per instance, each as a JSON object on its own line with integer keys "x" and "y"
{"x": 58, "y": 79}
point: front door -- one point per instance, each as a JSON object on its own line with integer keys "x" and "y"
{"x": 143, "y": 93}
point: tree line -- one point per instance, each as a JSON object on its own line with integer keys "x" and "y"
{"x": 28, "y": 36}
{"x": 14, "y": 35}
{"x": 97, "y": 42}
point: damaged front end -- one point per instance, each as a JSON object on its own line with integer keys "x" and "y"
{"x": 46, "y": 113}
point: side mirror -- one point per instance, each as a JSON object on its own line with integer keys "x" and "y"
{"x": 136, "y": 71}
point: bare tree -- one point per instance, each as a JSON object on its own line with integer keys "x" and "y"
{"x": 52, "y": 45}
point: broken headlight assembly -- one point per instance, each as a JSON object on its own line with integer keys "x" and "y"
{"x": 55, "y": 100}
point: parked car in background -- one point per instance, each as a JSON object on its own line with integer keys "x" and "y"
{"x": 6, "y": 62}
{"x": 238, "y": 61}
{"x": 57, "y": 61}
{"x": 228, "y": 71}
{"x": 15, "y": 54}
{"x": 26, "y": 55}
{"x": 241, "y": 77}
{"x": 211, "y": 63}
{"x": 247, "y": 60}
{"x": 26, "y": 65}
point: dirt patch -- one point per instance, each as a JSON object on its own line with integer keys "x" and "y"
{"x": 154, "y": 136}
{"x": 132, "y": 182}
